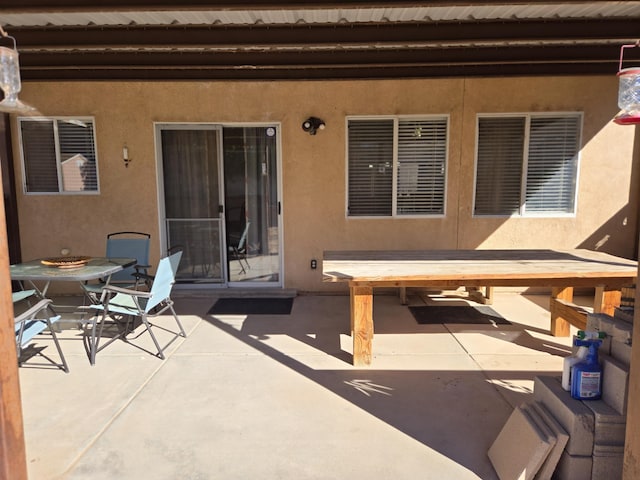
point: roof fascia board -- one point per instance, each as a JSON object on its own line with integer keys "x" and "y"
{"x": 26, "y": 6}
{"x": 180, "y": 36}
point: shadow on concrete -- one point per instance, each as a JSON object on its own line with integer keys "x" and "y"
{"x": 457, "y": 413}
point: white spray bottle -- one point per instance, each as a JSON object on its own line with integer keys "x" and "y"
{"x": 581, "y": 354}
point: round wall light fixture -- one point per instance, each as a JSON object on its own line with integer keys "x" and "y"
{"x": 312, "y": 124}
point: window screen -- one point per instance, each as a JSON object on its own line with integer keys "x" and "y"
{"x": 527, "y": 165}
{"x": 552, "y": 165}
{"x": 59, "y": 155}
{"x": 397, "y": 166}
{"x": 370, "y": 167}
{"x": 422, "y": 150}
{"x": 499, "y": 165}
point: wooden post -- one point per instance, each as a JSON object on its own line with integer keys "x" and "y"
{"x": 475, "y": 294}
{"x": 631, "y": 466}
{"x": 489, "y": 294}
{"x": 606, "y": 300}
{"x": 362, "y": 324}
{"x": 13, "y": 460}
{"x": 403, "y": 296}
{"x": 560, "y": 327}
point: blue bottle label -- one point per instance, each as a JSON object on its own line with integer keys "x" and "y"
{"x": 589, "y": 384}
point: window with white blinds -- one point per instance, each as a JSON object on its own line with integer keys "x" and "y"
{"x": 397, "y": 166}
{"x": 527, "y": 165}
{"x": 370, "y": 167}
{"x": 59, "y": 155}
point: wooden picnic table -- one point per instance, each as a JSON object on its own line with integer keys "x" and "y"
{"x": 560, "y": 270}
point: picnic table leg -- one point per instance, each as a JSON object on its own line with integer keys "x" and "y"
{"x": 403, "y": 296}
{"x": 560, "y": 326}
{"x": 361, "y": 324}
{"x": 488, "y": 294}
{"x": 475, "y": 294}
{"x": 606, "y": 300}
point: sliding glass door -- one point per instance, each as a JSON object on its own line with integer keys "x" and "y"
{"x": 192, "y": 201}
{"x": 251, "y": 204}
{"x": 220, "y": 192}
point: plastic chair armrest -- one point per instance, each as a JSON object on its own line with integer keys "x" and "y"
{"x": 30, "y": 312}
{"x": 127, "y": 291}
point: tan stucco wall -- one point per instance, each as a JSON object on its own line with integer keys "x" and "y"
{"x": 314, "y": 170}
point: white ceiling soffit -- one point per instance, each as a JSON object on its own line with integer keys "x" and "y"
{"x": 537, "y": 10}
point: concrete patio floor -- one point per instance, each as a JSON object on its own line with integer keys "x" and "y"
{"x": 275, "y": 397}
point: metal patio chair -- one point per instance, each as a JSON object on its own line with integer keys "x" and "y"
{"x": 175, "y": 263}
{"x": 239, "y": 250}
{"x": 125, "y": 245}
{"x": 28, "y": 326}
{"x": 22, "y": 295}
{"x": 118, "y": 305}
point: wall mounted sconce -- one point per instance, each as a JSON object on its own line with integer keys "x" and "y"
{"x": 125, "y": 156}
{"x": 10, "y": 78}
{"x": 312, "y": 124}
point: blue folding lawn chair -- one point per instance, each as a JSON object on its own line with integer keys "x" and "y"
{"x": 28, "y": 326}
{"x": 125, "y": 245}
{"x": 118, "y": 303}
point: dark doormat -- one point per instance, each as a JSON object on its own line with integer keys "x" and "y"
{"x": 436, "y": 314}
{"x": 252, "y": 306}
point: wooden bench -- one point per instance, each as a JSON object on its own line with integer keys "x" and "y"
{"x": 560, "y": 270}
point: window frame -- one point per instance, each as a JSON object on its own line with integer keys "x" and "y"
{"x": 54, "y": 120}
{"x": 395, "y": 161}
{"x": 527, "y": 116}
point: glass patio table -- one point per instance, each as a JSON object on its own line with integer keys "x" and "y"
{"x": 95, "y": 268}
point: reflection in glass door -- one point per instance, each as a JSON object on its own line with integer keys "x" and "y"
{"x": 251, "y": 204}
{"x": 190, "y": 174}
{"x": 220, "y": 188}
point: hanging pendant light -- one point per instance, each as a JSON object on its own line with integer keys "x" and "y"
{"x": 10, "y": 78}
{"x": 628, "y": 92}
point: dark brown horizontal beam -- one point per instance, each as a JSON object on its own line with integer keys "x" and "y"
{"x": 312, "y": 50}
{"x": 322, "y": 34}
{"x": 328, "y": 65}
{"x": 350, "y": 72}
{"x": 356, "y": 57}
